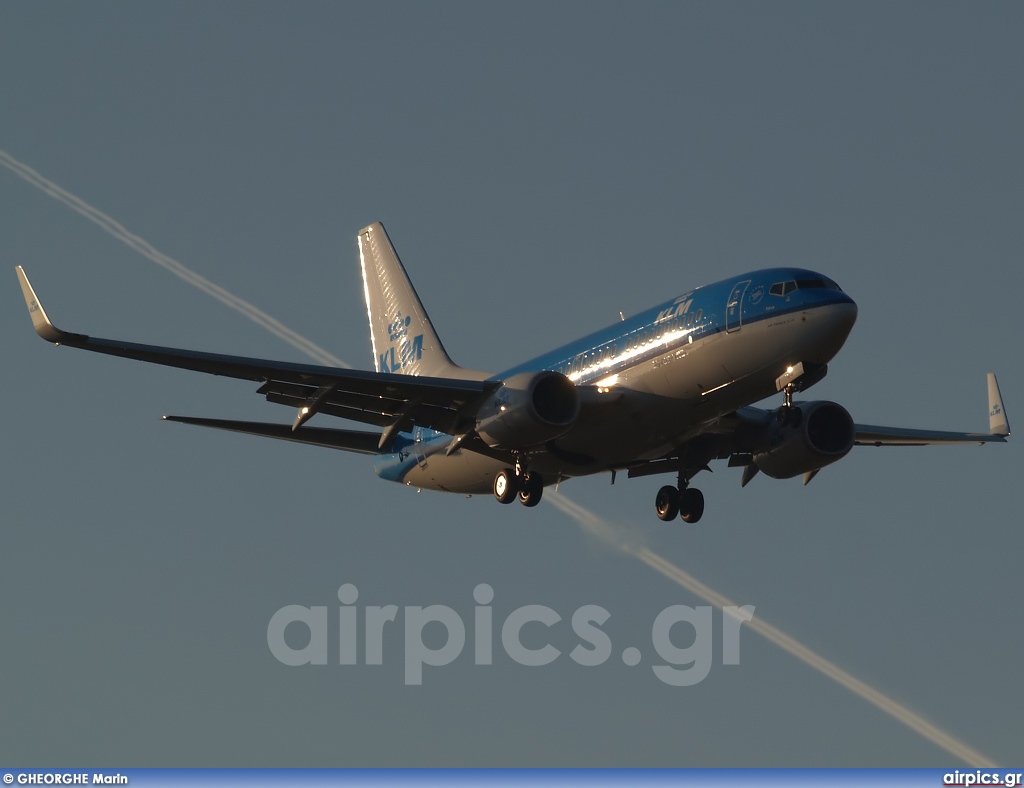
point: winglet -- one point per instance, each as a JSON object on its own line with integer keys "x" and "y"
{"x": 40, "y": 321}
{"x": 998, "y": 424}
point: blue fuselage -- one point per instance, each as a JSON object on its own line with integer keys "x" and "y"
{"x": 685, "y": 362}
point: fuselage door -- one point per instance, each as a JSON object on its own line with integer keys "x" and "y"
{"x": 734, "y": 307}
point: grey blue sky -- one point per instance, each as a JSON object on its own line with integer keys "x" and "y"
{"x": 539, "y": 166}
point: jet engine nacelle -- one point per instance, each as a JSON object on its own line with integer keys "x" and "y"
{"x": 529, "y": 409}
{"x": 811, "y": 436}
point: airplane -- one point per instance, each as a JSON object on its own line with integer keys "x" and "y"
{"x": 666, "y": 391}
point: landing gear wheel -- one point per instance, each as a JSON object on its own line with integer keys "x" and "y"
{"x": 506, "y": 486}
{"x": 691, "y": 504}
{"x": 666, "y": 504}
{"x": 531, "y": 491}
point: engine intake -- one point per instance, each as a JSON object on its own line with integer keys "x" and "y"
{"x": 529, "y": 409}
{"x": 813, "y": 435}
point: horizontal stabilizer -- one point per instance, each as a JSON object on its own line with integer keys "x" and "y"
{"x": 346, "y": 440}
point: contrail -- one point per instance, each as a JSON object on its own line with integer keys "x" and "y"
{"x": 108, "y": 225}
{"x": 630, "y": 545}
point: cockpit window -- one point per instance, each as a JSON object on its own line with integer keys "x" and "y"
{"x": 816, "y": 284}
{"x": 785, "y": 288}
{"x": 782, "y": 288}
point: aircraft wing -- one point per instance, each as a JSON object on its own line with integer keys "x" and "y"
{"x": 999, "y": 428}
{"x": 871, "y": 435}
{"x": 383, "y": 399}
{"x": 732, "y": 436}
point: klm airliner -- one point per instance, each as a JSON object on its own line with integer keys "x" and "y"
{"x": 666, "y": 391}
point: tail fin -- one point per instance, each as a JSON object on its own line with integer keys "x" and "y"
{"x": 998, "y": 424}
{"x": 404, "y": 341}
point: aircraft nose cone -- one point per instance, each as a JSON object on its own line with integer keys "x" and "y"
{"x": 847, "y": 311}
{"x": 830, "y": 330}
{"x": 842, "y": 316}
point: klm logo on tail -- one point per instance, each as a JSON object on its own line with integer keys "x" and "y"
{"x": 399, "y": 327}
{"x": 395, "y": 359}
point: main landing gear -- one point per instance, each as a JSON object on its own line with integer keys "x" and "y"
{"x": 683, "y": 501}
{"x": 510, "y": 484}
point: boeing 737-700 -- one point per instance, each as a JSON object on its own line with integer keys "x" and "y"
{"x": 666, "y": 391}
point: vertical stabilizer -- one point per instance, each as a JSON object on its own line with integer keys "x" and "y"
{"x": 404, "y": 341}
{"x": 998, "y": 424}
